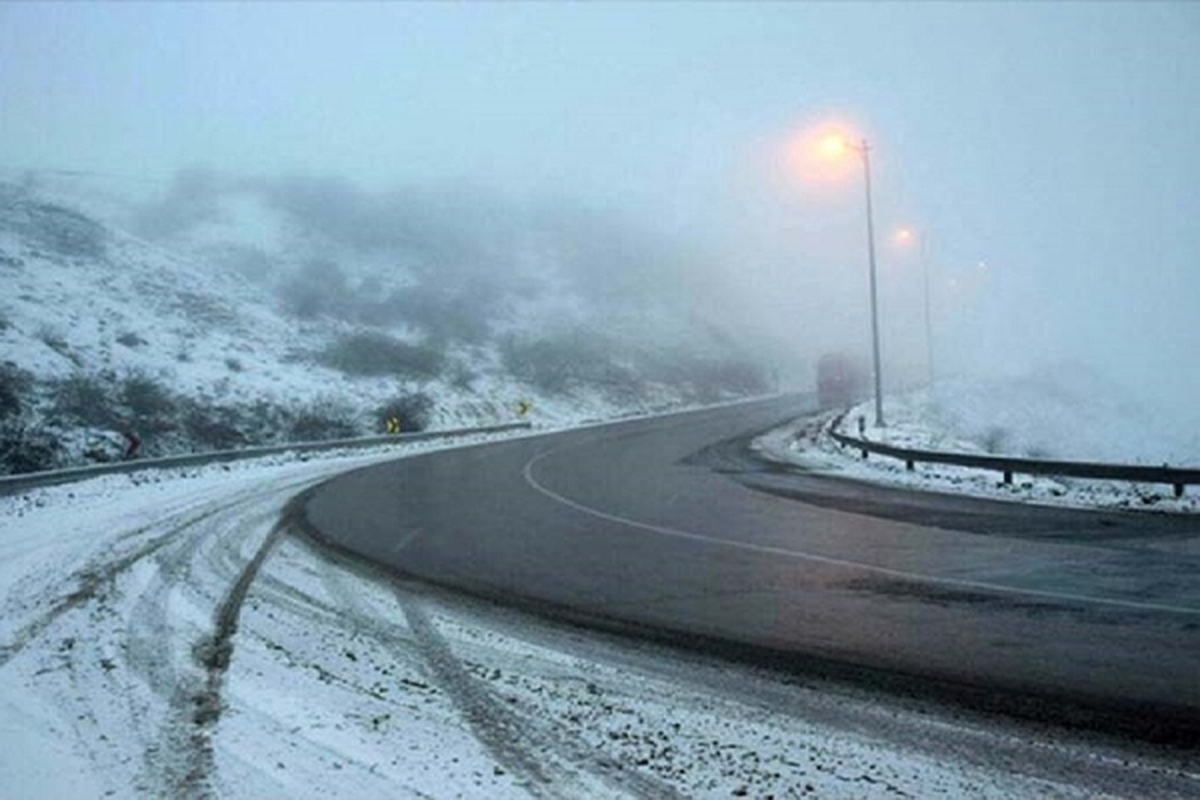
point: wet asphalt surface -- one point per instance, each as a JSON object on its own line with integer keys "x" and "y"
{"x": 672, "y": 528}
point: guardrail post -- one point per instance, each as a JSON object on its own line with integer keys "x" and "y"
{"x": 1008, "y": 477}
{"x": 1179, "y": 490}
{"x": 908, "y": 465}
{"x": 864, "y": 453}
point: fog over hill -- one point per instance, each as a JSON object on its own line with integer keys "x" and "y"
{"x": 221, "y": 311}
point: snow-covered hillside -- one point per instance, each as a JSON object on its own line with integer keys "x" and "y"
{"x": 212, "y": 312}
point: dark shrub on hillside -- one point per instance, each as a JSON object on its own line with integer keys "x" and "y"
{"x": 567, "y": 362}
{"x": 380, "y": 354}
{"x": 322, "y": 421}
{"x": 85, "y": 399}
{"x": 131, "y": 339}
{"x": 263, "y": 422}
{"x": 15, "y": 383}
{"x": 100, "y": 400}
{"x": 214, "y": 428}
{"x": 27, "y": 449}
{"x": 146, "y": 397}
{"x": 411, "y": 411}
{"x": 152, "y": 407}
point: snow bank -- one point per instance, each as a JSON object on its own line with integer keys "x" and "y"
{"x": 1067, "y": 413}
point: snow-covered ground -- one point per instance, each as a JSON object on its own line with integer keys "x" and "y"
{"x": 161, "y": 635}
{"x": 1064, "y": 414}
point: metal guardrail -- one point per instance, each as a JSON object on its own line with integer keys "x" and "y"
{"x": 15, "y": 483}
{"x": 1175, "y": 477}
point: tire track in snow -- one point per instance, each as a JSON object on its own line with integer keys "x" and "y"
{"x": 93, "y": 582}
{"x": 106, "y": 655}
{"x": 549, "y": 766}
{"x": 546, "y": 763}
{"x": 497, "y": 729}
{"x": 96, "y": 579}
{"x": 182, "y": 764}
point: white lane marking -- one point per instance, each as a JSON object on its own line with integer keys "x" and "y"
{"x": 839, "y": 562}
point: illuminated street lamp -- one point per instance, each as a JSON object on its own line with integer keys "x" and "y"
{"x": 835, "y": 147}
{"x": 905, "y": 236}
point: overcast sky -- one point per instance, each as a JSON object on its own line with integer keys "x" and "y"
{"x": 1057, "y": 143}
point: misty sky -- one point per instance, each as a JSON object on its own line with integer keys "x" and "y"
{"x": 1057, "y": 143}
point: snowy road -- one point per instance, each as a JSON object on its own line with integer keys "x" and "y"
{"x": 668, "y": 525}
{"x": 169, "y": 635}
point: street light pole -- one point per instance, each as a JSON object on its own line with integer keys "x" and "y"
{"x": 865, "y": 150}
{"x": 834, "y": 146}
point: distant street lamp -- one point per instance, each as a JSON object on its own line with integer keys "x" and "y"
{"x": 834, "y": 147}
{"x": 904, "y": 236}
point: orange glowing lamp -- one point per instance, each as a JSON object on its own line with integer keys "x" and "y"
{"x": 834, "y": 146}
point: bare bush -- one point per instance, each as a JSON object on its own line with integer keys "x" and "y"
{"x": 263, "y": 422}
{"x": 322, "y": 420}
{"x": 151, "y": 406}
{"x": 15, "y": 383}
{"x": 371, "y": 353}
{"x": 131, "y": 339}
{"x": 215, "y": 428}
{"x": 26, "y": 448}
{"x": 562, "y": 364}
{"x": 86, "y": 399}
{"x": 100, "y": 400}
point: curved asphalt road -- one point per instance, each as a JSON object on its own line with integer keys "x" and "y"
{"x": 669, "y": 526}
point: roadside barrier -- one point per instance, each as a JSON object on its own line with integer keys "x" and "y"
{"x": 1175, "y": 477}
{"x": 10, "y": 484}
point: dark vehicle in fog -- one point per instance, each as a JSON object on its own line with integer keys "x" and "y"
{"x": 841, "y": 380}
